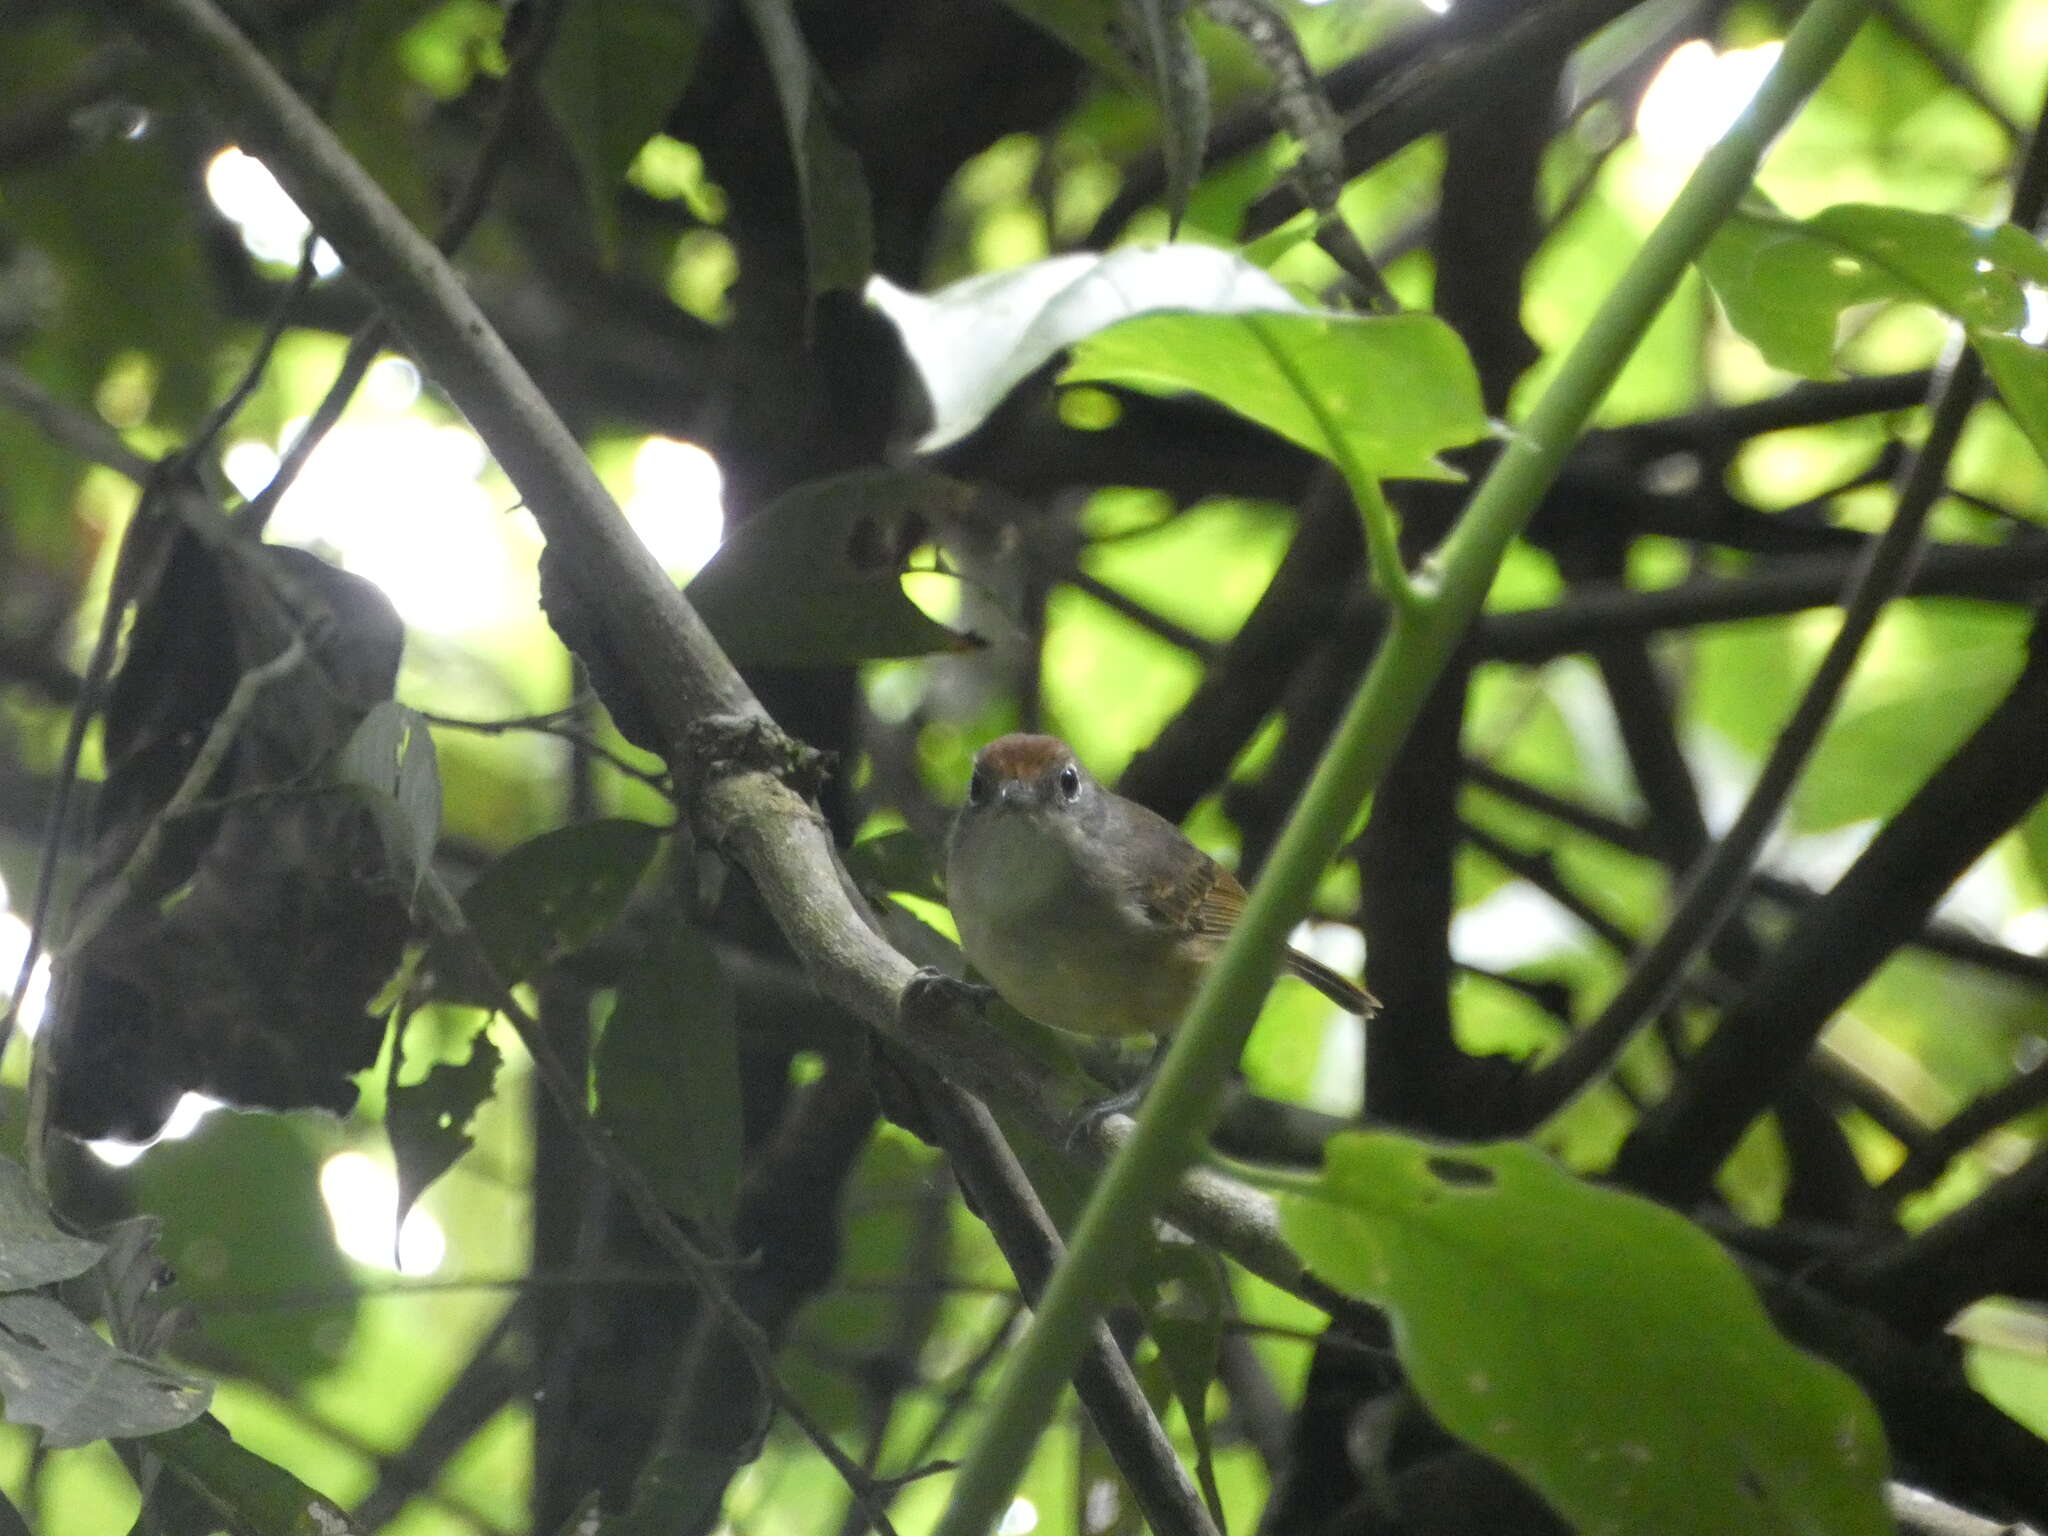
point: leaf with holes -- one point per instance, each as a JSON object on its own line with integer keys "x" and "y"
{"x": 67, "y": 1381}
{"x": 613, "y": 72}
{"x": 1603, "y": 1347}
{"x": 668, "y": 1075}
{"x": 1786, "y": 283}
{"x": 428, "y": 1121}
{"x": 814, "y": 579}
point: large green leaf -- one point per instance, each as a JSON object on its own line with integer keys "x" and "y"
{"x": 377, "y": 110}
{"x": 668, "y": 1075}
{"x": 813, "y": 579}
{"x": 839, "y": 239}
{"x": 612, "y": 75}
{"x": 1601, "y": 1346}
{"x": 976, "y": 340}
{"x": 1400, "y": 389}
{"x": 1785, "y": 285}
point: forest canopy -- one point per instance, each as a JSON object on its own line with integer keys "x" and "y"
{"x": 516, "y": 521}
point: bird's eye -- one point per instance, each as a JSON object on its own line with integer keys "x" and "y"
{"x": 977, "y": 787}
{"x": 1070, "y": 782}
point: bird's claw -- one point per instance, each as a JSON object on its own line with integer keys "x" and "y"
{"x": 931, "y": 987}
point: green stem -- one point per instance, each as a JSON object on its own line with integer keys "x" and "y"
{"x": 1184, "y": 1099}
{"x": 1382, "y": 530}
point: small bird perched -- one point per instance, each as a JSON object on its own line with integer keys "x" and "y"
{"x": 1085, "y": 910}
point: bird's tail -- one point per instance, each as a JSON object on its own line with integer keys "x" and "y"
{"x": 1341, "y": 990}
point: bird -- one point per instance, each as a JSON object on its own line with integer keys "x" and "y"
{"x": 1087, "y": 911}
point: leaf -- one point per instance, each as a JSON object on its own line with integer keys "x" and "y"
{"x": 428, "y": 1121}
{"x": 60, "y": 1376}
{"x": 896, "y": 861}
{"x": 1089, "y": 27}
{"x": 668, "y": 1075}
{"x": 838, "y": 221}
{"x": 974, "y": 341}
{"x": 1400, "y": 388}
{"x": 375, "y": 108}
{"x": 813, "y": 579}
{"x": 1601, "y": 1346}
{"x": 613, "y": 73}
{"x": 1785, "y": 283}
{"x": 2020, "y": 370}
{"x": 244, "y": 1490}
{"x": 242, "y": 1219}
{"x": 33, "y": 1249}
{"x": 552, "y": 895}
{"x": 391, "y": 757}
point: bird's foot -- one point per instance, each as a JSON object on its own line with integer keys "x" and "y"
{"x": 1090, "y": 1117}
{"x": 932, "y": 988}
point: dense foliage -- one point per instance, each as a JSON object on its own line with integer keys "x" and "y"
{"x": 1235, "y": 390}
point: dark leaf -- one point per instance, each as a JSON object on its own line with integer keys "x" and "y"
{"x": 831, "y": 187}
{"x": 248, "y": 1493}
{"x": 428, "y": 1121}
{"x": 549, "y": 897}
{"x": 613, "y": 72}
{"x": 668, "y": 1081}
{"x": 813, "y": 579}
{"x": 1156, "y": 32}
{"x": 241, "y": 961}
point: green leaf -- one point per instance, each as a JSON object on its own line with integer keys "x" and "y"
{"x": 2020, "y": 370}
{"x": 896, "y": 861}
{"x": 1399, "y": 388}
{"x": 245, "y": 1491}
{"x": 1601, "y": 1346}
{"x": 814, "y": 578}
{"x": 378, "y": 111}
{"x": 243, "y": 1219}
{"x": 33, "y": 1250}
{"x": 839, "y": 236}
{"x": 428, "y": 1121}
{"x": 1785, "y": 283}
{"x": 390, "y": 756}
{"x": 612, "y": 75}
{"x": 1089, "y": 27}
{"x": 668, "y": 1075}
{"x": 553, "y": 894}
{"x": 975, "y": 340}
{"x": 61, "y": 1377}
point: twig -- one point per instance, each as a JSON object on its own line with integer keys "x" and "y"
{"x": 702, "y": 1269}
{"x": 1714, "y": 890}
{"x": 69, "y": 427}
